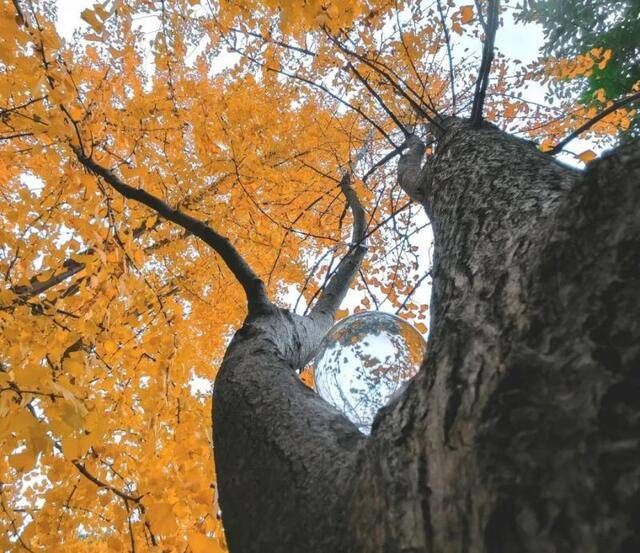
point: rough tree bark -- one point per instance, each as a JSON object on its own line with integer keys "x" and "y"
{"x": 521, "y": 433}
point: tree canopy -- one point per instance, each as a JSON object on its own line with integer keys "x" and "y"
{"x": 166, "y": 129}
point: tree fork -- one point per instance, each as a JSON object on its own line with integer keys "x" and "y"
{"x": 520, "y": 433}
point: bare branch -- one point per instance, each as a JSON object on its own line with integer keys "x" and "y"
{"x": 480, "y": 16}
{"x": 381, "y": 70}
{"x": 447, "y": 38}
{"x": 379, "y": 99}
{"x": 7, "y": 111}
{"x": 16, "y": 135}
{"x": 586, "y": 126}
{"x": 335, "y": 291}
{"x": 252, "y": 284}
{"x": 412, "y": 291}
{"x": 272, "y": 40}
{"x": 71, "y": 267}
{"x": 82, "y": 470}
{"x": 485, "y": 64}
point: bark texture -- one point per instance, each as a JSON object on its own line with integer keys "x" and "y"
{"x": 284, "y": 457}
{"x": 521, "y": 433}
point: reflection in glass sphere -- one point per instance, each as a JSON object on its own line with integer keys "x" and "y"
{"x": 363, "y": 360}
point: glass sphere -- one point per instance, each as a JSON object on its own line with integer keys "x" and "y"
{"x": 363, "y": 360}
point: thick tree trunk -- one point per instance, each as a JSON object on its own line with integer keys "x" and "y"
{"x": 284, "y": 457}
{"x": 520, "y": 434}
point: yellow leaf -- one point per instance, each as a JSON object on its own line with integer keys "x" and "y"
{"x": 90, "y": 17}
{"x": 162, "y": 518}
{"x": 114, "y": 543}
{"x": 587, "y": 156}
{"x": 199, "y": 543}
{"x": 138, "y": 257}
{"x": 73, "y": 447}
{"x": 6, "y": 297}
{"x": 110, "y": 346}
{"x": 76, "y": 112}
{"x": 547, "y": 144}
{"x": 74, "y": 366}
{"x": 466, "y": 14}
{"x": 23, "y": 461}
{"x": 421, "y": 327}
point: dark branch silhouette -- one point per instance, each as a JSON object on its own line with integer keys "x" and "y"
{"x": 252, "y": 284}
{"x": 485, "y": 64}
{"x": 447, "y": 39}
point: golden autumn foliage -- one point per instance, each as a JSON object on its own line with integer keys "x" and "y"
{"x": 241, "y": 114}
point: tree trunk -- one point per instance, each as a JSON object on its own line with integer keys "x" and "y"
{"x": 521, "y": 433}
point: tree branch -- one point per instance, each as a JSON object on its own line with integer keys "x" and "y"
{"x": 376, "y": 66}
{"x": 82, "y": 470}
{"x": 335, "y": 291}
{"x": 586, "y": 126}
{"x": 410, "y": 170}
{"x": 447, "y": 39}
{"x": 253, "y": 286}
{"x": 485, "y": 64}
{"x": 21, "y": 18}
{"x": 71, "y": 267}
{"x": 319, "y": 86}
{"x": 380, "y": 101}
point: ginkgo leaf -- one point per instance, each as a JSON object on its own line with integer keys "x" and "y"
{"x": 74, "y": 366}
{"x": 110, "y": 346}
{"x": 114, "y": 543}
{"x": 466, "y": 14}
{"x": 90, "y": 17}
{"x": 162, "y": 518}
{"x": 75, "y": 447}
{"x": 587, "y": 156}
{"x": 199, "y": 543}
{"x": 23, "y": 461}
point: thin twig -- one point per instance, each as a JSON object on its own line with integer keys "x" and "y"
{"x": 378, "y": 68}
{"x": 379, "y": 99}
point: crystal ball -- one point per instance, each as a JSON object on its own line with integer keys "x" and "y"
{"x": 363, "y": 360}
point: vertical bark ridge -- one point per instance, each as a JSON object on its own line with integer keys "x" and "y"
{"x": 522, "y": 430}
{"x": 286, "y": 455}
{"x": 494, "y": 424}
